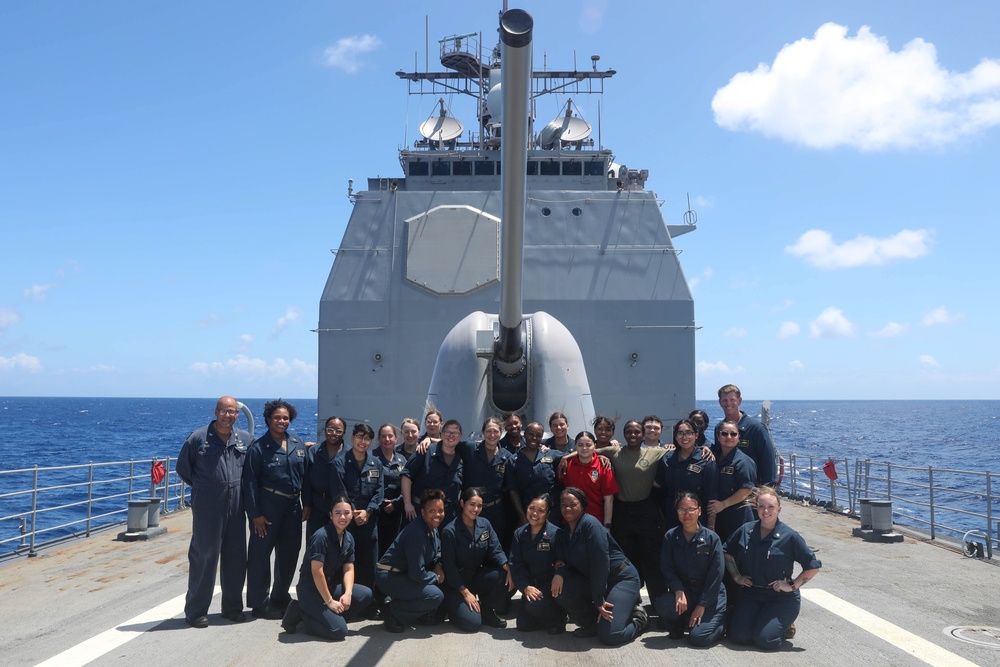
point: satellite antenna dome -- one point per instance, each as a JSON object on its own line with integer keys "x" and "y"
{"x": 494, "y": 103}
{"x": 566, "y": 127}
{"x": 441, "y": 127}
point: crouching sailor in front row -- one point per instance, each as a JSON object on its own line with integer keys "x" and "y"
{"x": 327, "y": 593}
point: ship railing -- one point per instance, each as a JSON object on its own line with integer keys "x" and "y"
{"x": 46, "y": 505}
{"x": 955, "y": 506}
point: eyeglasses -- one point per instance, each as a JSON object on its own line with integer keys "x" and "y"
{"x": 688, "y": 511}
{"x": 684, "y": 434}
{"x": 729, "y": 434}
{"x": 364, "y": 437}
{"x": 229, "y": 413}
{"x": 334, "y": 430}
{"x": 451, "y": 434}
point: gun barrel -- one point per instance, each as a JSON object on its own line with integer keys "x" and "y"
{"x": 515, "y": 75}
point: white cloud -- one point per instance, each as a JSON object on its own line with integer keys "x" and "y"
{"x": 22, "y": 361}
{"x": 836, "y": 90}
{"x": 785, "y": 305}
{"x": 735, "y": 332}
{"x": 796, "y": 366}
{"x": 831, "y": 323}
{"x": 37, "y": 292}
{"x": 788, "y": 329}
{"x": 717, "y": 368}
{"x": 697, "y": 280}
{"x": 292, "y": 314}
{"x": 255, "y": 367}
{"x": 7, "y": 318}
{"x": 940, "y": 315}
{"x": 245, "y": 343}
{"x": 818, "y": 248}
{"x": 929, "y": 361}
{"x": 890, "y": 330}
{"x": 345, "y": 54}
{"x": 592, "y": 16}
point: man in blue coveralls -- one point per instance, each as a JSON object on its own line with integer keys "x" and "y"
{"x": 755, "y": 440}
{"x": 211, "y": 463}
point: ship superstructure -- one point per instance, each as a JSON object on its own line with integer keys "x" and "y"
{"x": 422, "y": 251}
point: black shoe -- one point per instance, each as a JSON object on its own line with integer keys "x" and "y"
{"x": 429, "y": 619}
{"x": 268, "y": 612}
{"x": 558, "y": 628}
{"x": 197, "y": 621}
{"x": 292, "y": 616}
{"x": 235, "y": 616}
{"x": 491, "y": 619}
{"x": 391, "y": 624}
{"x": 585, "y": 631}
{"x": 640, "y": 618}
{"x": 676, "y": 630}
{"x": 373, "y": 613}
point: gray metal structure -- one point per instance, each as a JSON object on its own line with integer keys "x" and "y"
{"x": 422, "y": 253}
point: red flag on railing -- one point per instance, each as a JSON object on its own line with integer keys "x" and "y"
{"x": 157, "y": 472}
{"x": 830, "y": 470}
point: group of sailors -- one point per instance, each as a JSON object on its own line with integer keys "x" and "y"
{"x": 427, "y": 526}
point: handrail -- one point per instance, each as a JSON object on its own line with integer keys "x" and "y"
{"x": 923, "y": 498}
{"x": 54, "y": 503}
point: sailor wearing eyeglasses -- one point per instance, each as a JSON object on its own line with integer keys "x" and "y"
{"x": 693, "y": 567}
{"x": 686, "y": 469}
{"x": 211, "y": 463}
{"x": 737, "y": 473}
{"x": 321, "y": 483}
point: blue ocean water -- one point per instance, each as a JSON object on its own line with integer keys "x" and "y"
{"x": 64, "y": 431}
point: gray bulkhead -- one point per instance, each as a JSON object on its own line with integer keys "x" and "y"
{"x": 417, "y": 256}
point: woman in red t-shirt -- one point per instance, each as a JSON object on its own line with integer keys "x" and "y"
{"x": 585, "y": 472}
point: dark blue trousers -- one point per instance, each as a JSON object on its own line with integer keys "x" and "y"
{"x": 319, "y": 621}
{"x": 488, "y": 585}
{"x": 409, "y": 600}
{"x": 705, "y": 633}
{"x": 761, "y": 616}
{"x": 218, "y": 539}
{"x": 622, "y": 592}
{"x": 284, "y": 539}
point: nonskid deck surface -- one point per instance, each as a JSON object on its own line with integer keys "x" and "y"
{"x": 103, "y": 602}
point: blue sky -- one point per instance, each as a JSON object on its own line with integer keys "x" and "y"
{"x": 173, "y": 178}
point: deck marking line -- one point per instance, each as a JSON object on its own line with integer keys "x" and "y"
{"x": 918, "y": 647}
{"x": 93, "y": 648}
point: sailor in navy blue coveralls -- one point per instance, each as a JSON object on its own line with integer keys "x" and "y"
{"x": 694, "y": 473}
{"x": 490, "y": 477}
{"x": 334, "y": 550}
{"x": 761, "y": 614}
{"x": 473, "y": 560}
{"x": 406, "y": 572}
{"x": 364, "y": 486}
{"x": 736, "y": 471}
{"x": 320, "y": 486}
{"x": 596, "y": 571}
{"x": 392, "y": 469}
{"x": 212, "y": 465}
{"x": 431, "y": 470}
{"x": 532, "y": 564}
{"x": 272, "y": 480}
{"x": 695, "y": 567}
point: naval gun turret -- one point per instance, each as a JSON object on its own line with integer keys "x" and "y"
{"x": 526, "y": 364}
{"x": 538, "y": 274}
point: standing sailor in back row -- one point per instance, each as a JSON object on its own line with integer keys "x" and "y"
{"x": 211, "y": 463}
{"x": 272, "y": 483}
{"x": 755, "y": 440}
